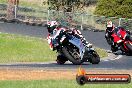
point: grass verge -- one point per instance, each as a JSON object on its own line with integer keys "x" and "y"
{"x": 57, "y": 84}
{"x": 17, "y": 48}
{"x": 101, "y": 52}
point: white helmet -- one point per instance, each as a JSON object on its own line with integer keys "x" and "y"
{"x": 109, "y": 24}
{"x": 51, "y": 25}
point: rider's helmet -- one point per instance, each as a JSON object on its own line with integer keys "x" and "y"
{"x": 110, "y": 26}
{"x": 51, "y": 25}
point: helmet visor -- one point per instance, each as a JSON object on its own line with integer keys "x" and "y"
{"x": 50, "y": 29}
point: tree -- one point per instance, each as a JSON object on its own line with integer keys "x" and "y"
{"x": 69, "y": 5}
{"x": 120, "y": 8}
{"x": 11, "y": 8}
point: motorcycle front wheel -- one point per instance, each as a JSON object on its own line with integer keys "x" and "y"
{"x": 95, "y": 59}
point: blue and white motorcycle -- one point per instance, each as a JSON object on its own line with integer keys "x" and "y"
{"x": 71, "y": 48}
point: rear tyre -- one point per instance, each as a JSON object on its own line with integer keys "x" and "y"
{"x": 95, "y": 58}
{"x": 130, "y": 38}
{"x": 70, "y": 58}
{"x": 61, "y": 59}
{"x": 129, "y": 46}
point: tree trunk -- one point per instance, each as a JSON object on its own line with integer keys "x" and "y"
{"x": 11, "y": 8}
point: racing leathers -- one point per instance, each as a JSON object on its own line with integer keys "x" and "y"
{"x": 52, "y": 36}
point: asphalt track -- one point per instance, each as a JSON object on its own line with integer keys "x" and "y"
{"x": 117, "y": 61}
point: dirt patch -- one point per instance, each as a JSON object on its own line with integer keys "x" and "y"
{"x": 35, "y": 74}
{"x": 7, "y": 74}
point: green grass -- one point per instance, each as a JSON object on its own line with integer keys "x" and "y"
{"x": 34, "y": 4}
{"x": 34, "y": 14}
{"x": 30, "y": 3}
{"x": 17, "y": 48}
{"x": 101, "y": 52}
{"x": 57, "y": 84}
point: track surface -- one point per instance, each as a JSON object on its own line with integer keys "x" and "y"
{"x": 96, "y": 38}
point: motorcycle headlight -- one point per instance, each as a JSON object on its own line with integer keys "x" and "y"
{"x": 106, "y": 34}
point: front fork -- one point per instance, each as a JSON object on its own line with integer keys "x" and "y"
{"x": 88, "y": 55}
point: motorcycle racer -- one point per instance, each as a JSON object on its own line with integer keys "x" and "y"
{"x": 70, "y": 45}
{"x": 54, "y": 29}
{"x": 117, "y": 35}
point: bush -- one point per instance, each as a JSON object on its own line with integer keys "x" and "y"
{"x": 119, "y": 8}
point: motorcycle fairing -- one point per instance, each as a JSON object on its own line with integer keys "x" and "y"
{"x": 78, "y": 43}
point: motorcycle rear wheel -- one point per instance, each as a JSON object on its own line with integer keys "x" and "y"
{"x": 129, "y": 46}
{"x": 70, "y": 57}
{"x": 61, "y": 59}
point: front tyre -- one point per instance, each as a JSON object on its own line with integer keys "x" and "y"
{"x": 113, "y": 48}
{"x": 95, "y": 59}
{"x": 108, "y": 39}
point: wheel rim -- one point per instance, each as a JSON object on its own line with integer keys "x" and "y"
{"x": 75, "y": 55}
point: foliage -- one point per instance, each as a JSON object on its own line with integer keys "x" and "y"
{"x": 69, "y": 5}
{"x": 119, "y": 8}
